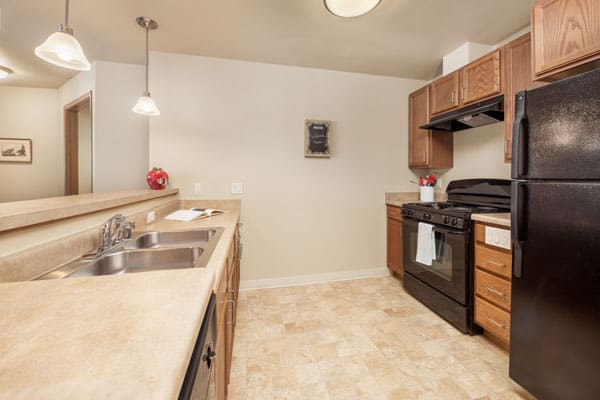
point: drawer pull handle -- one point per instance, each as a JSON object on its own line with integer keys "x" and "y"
{"x": 493, "y": 321}
{"x": 496, "y": 264}
{"x": 496, "y": 292}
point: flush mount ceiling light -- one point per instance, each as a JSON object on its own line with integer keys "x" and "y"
{"x": 62, "y": 49}
{"x": 350, "y": 8}
{"x": 145, "y": 105}
{"x": 5, "y": 71}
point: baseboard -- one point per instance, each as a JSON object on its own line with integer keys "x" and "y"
{"x": 314, "y": 278}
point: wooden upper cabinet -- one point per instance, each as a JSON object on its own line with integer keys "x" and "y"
{"x": 444, "y": 93}
{"x": 426, "y": 148}
{"x": 566, "y": 37}
{"x": 481, "y": 78}
{"x": 418, "y": 139}
{"x": 517, "y": 77}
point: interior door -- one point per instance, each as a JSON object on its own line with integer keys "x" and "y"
{"x": 555, "y": 317}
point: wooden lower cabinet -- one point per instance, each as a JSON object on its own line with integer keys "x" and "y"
{"x": 221, "y": 365}
{"x": 227, "y": 298}
{"x": 394, "y": 241}
{"x": 493, "y": 272}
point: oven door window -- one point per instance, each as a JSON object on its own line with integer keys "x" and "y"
{"x": 447, "y": 272}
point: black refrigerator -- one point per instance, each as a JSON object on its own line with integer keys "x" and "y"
{"x": 555, "y": 312}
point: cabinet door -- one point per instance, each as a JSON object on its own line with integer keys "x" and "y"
{"x": 566, "y": 37}
{"x": 394, "y": 245}
{"x": 444, "y": 93}
{"x": 481, "y": 78}
{"x": 221, "y": 365}
{"x": 418, "y": 139}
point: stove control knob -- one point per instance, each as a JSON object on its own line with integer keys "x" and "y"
{"x": 409, "y": 212}
{"x": 454, "y": 221}
{"x": 427, "y": 216}
{"x": 446, "y": 220}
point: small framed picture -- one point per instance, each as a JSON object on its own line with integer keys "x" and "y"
{"x": 317, "y": 135}
{"x": 15, "y": 150}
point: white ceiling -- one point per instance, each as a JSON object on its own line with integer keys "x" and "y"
{"x": 405, "y": 38}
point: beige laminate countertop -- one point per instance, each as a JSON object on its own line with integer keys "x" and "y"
{"x": 502, "y": 219}
{"x": 18, "y": 214}
{"x": 398, "y": 199}
{"x": 125, "y": 336}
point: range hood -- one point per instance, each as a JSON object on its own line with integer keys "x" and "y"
{"x": 478, "y": 114}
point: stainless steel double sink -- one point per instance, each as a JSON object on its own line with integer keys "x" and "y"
{"x": 148, "y": 251}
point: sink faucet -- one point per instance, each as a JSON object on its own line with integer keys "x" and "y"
{"x": 113, "y": 232}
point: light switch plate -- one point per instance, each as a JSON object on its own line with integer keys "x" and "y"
{"x": 237, "y": 188}
{"x": 150, "y": 217}
{"x": 497, "y": 237}
{"x": 197, "y": 188}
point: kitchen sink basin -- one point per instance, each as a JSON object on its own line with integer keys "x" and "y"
{"x": 128, "y": 261}
{"x": 151, "y": 240}
{"x": 150, "y": 251}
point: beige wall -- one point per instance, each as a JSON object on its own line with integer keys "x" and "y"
{"x": 120, "y": 135}
{"x": 229, "y": 121}
{"x": 478, "y": 153}
{"x": 30, "y": 113}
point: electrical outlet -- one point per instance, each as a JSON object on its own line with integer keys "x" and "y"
{"x": 197, "y": 188}
{"x": 237, "y": 188}
{"x": 150, "y": 217}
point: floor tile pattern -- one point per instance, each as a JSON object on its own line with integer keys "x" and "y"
{"x": 359, "y": 339}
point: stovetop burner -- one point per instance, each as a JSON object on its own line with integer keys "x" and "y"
{"x": 466, "y": 197}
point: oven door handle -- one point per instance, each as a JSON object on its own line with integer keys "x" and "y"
{"x": 448, "y": 231}
{"x": 436, "y": 228}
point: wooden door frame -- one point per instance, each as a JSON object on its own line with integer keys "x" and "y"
{"x": 71, "y": 129}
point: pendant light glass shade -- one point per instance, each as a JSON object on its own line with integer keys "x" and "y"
{"x": 64, "y": 50}
{"x": 146, "y": 106}
{"x": 4, "y": 72}
{"x": 350, "y": 8}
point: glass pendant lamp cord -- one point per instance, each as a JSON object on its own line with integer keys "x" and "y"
{"x": 66, "y": 12}
{"x": 147, "y": 61}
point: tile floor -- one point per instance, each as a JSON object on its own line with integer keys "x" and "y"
{"x": 360, "y": 339}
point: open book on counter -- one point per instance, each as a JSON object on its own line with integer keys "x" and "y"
{"x": 193, "y": 214}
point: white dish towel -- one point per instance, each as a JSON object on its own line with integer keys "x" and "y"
{"x": 425, "y": 244}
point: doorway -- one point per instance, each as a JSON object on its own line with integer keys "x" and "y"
{"x": 78, "y": 146}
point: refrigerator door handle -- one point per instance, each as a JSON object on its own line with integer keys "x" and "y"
{"x": 519, "y": 128}
{"x": 516, "y": 221}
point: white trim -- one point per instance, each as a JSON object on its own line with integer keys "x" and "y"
{"x": 314, "y": 278}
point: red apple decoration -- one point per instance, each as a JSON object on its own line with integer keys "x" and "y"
{"x": 157, "y": 178}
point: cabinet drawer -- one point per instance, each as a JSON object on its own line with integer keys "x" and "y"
{"x": 394, "y": 212}
{"x": 495, "y": 290}
{"x": 492, "y": 319}
{"x": 493, "y": 260}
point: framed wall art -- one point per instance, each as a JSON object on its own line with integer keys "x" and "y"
{"x": 15, "y": 150}
{"x": 317, "y": 135}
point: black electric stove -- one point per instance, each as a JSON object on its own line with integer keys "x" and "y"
{"x": 446, "y": 286}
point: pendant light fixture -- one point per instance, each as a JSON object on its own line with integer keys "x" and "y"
{"x": 5, "y": 72}
{"x": 350, "y": 8}
{"x": 62, "y": 49}
{"x": 145, "y": 105}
